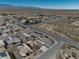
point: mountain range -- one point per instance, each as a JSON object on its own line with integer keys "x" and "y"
{"x": 25, "y": 9}
{"x": 7, "y": 6}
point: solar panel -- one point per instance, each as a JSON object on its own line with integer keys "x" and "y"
{"x": 3, "y": 54}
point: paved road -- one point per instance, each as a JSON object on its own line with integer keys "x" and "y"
{"x": 49, "y": 54}
{"x": 56, "y": 36}
{"x": 54, "y": 49}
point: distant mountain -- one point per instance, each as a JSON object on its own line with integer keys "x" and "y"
{"x": 4, "y": 5}
{"x": 7, "y": 6}
{"x": 32, "y": 10}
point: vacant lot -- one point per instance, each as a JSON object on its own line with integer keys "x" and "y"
{"x": 65, "y": 27}
{"x": 68, "y": 52}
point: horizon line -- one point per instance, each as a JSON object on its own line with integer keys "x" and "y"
{"x": 42, "y": 7}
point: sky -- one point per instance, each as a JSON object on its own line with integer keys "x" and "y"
{"x": 52, "y": 4}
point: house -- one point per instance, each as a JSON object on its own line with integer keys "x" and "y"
{"x": 22, "y": 51}
{"x": 24, "y": 37}
{"x": 12, "y": 40}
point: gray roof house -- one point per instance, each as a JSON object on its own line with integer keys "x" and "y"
{"x": 13, "y": 39}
